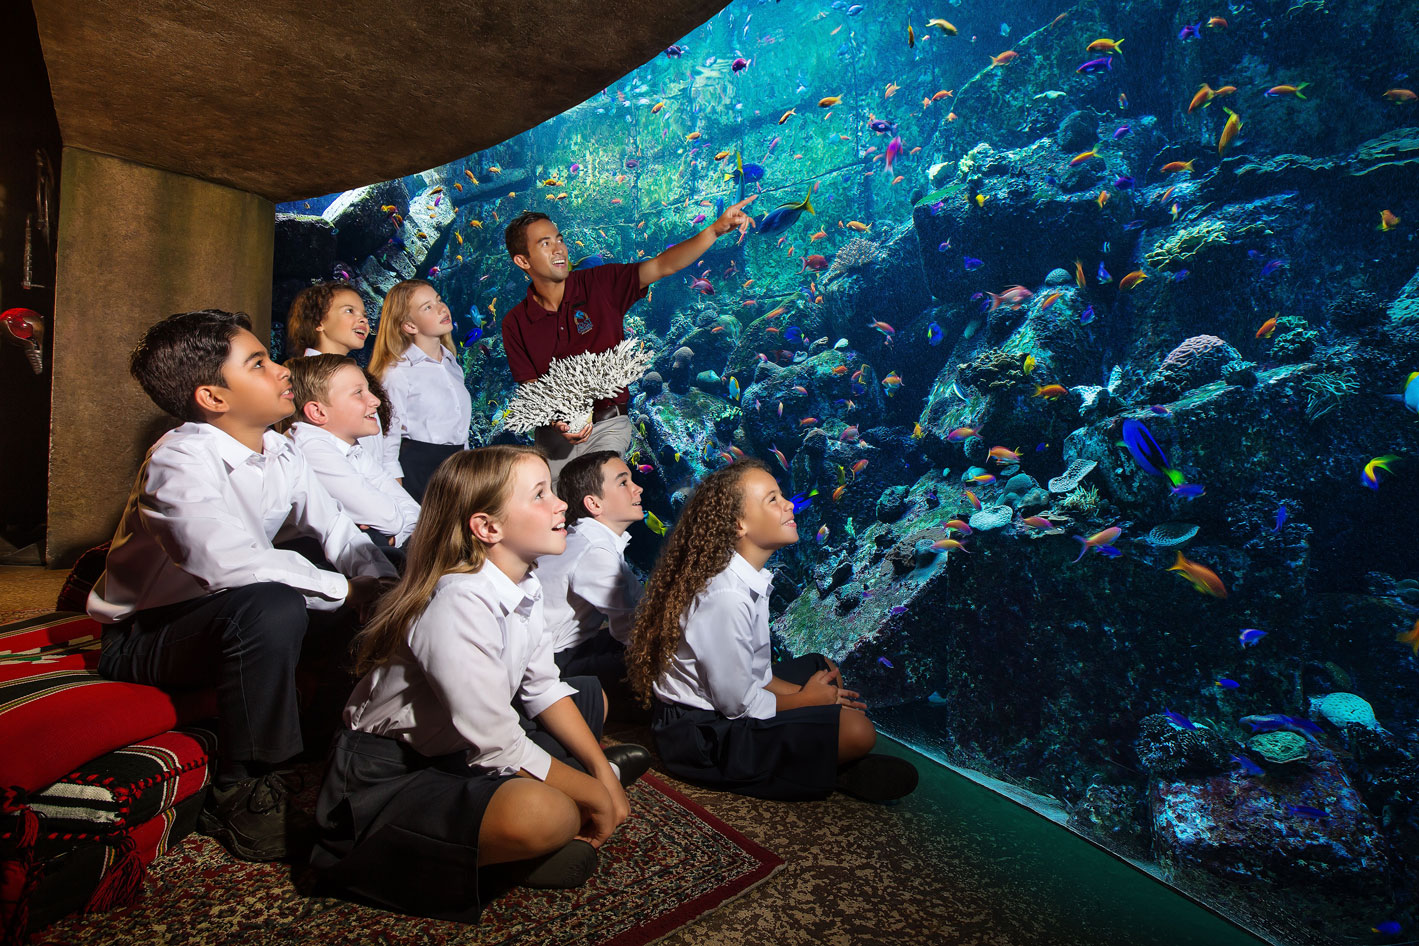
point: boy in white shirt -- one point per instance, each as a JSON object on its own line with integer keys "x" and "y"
{"x": 194, "y": 592}
{"x": 589, "y": 592}
{"x": 334, "y": 410}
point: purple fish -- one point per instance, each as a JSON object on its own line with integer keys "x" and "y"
{"x": 886, "y": 663}
{"x": 1096, "y": 66}
{"x": 1178, "y": 719}
{"x": 1135, "y": 224}
{"x": 1249, "y": 636}
{"x": 699, "y": 218}
{"x": 1181, "y": 274}
{"x": 675, "y": 52}
{"x": 879, "y": 126}
{"x": 943, "y": 246}
{"x": 1104, "y": 273}
{"x": 1272, "y": 267}
{"x": 1192, "y": 31}
{"x": 894, "y": 151}
{"x": 972, "y": 264}
{"x": 1160, "y": 410}
{"x": 1306, "y": 811}
{"x": 1122, "y": 130}
{"x": 1388, "y": 927}
{"x": 632, "y": 163}
{"x": 1124, "y": 182}
{"x": 1280, "y": 518}
{"x": 898, "y": 609}
{"x": 1086, "y": 316}
{"x": 739, "y": 65}
{"x": 1247, "y": 765}
{"x": 1108, "y": 551}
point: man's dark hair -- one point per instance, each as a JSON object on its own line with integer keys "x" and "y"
{"x": 581, "y": 478}
{"x": 183, "y": 352}
{"x": 516, "y": 233}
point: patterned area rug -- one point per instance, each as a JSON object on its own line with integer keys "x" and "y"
{"x": 672, "y": 861}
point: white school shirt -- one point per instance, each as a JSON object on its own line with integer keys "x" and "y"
{"x": 725, "y": 659}
{"x": 381, "y": 445}
{"x": 202, "y": 515}
{"x": 588, "y": 585}
{"x": 355, "y": 479}
{"x": 428, "y": 398}
{"x": 449, "y": 687}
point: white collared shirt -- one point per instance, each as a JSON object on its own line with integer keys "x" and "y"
{"x": 479, "y": 644}
{"x": 428, "y": 398}
{"x": 202, "y": 515}
{"x": 355, "y": 479}
{"x": 380, "y": 445}
{"x": 588, "y": 585}
{"x": 725, "y": 659}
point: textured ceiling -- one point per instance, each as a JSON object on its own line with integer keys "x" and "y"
{"x": 294, "y": 99}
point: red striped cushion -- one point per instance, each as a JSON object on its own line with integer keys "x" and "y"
{"x": 56, "y": 712}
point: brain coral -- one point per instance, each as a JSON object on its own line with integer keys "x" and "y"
{"x": 1279, "y": 746}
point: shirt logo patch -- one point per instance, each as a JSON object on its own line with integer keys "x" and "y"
{"x": 583, "y": 322}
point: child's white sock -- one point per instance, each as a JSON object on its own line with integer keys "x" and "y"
{"x": 616, "y": 769}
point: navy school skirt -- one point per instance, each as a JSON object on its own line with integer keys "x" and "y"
{"x": 791, "y": 757}
{"x": 401, "y": 828}
{"x": 419, "y": 459}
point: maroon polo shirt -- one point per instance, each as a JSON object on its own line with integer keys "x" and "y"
{"x": 590, "y": 319}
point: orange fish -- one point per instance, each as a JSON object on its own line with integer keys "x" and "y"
{"x": 1110, "y": 46}
{"x": 944, "y": 93}
{"x": 470, "y": 175}
{"x": 656, "y": 107}
{"x": 1038, "y": 522}
{"x": 1081, "y": 158}
{"x": 1387, "y": 220}
{"x": 1005, "y": 58}
{"x": 1173, "y": 167}
{"x": 838, "y": 493}
{"x": 859, "y": 466}
{"x": 1222, "y": 90}
{"x": 1279, "y": 90}
{"x": 1200, "y": 577}
{"x": 458, "y": 187}
{"x": 1217, "y": 23}
{"x": 1400, "y": 96}
{"x": 890, "y": 90}
{"x": 1132, "y": 279}
{"x": 1410, "y": 637}
{"x": 1050, "y": 299}
{"x": 829, "y": 101}
{"x": 1229, "y": 131}
{"x": 787, "y": 115}
{"x": 840, "y": 370}
{"x": 859, "y": 226}
{"x": 959, "y": 525}
{"x": 1079, "y": 273}
{"x": 692, "y": 136}
{"x": 943, "y": 545}
{"x": 1102, "y": 199}
{"x": 973, "y": 498}
{"x": 820, "y": 235}
{"x": 1204, "y": 96}
{"x": 808, "y": 422}
{"x": 1004, "y": 454}
{"x": 1098, "y": 540}
{"x": 1050, "y": 391}
{"x": 1267, "y": 328}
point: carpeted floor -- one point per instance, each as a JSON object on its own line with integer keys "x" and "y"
{"x": 26, "y": 591}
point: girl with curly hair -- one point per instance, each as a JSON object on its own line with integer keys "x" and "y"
{"x": 329, "y": 318}
{"x": 723, "y": 716}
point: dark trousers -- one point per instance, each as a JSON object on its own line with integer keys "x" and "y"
{"x": 245, "y": 641}
{"x": 419, "y": 459}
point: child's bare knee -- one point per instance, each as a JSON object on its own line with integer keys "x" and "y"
{"x": 856, "y": 735}
{"x": 605, "y": 705}
{"x": 538, "y": 820}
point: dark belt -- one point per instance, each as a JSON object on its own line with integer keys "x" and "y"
{"x": 608, "y": 411}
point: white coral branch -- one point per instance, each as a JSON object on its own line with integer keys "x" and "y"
{"x": 570, "y": 385}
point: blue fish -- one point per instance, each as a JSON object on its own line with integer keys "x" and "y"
{"x": 1178, "y": 719}
{"x": 1272, "y": 267}
{"x": 1247, "y": 765}
{"x": 1135, "y": 224}
{"x": 973, "y": 264}
{"x": 719, "y": 206}
{"x": 1280, "y": 518}
{"x": 1306, "y": 811}
{"x": 854, "y": 10}
{"x": 1122, "y": 130}
{"x": 1388, "y": 927}
{"x": 881, "y": 127}
{"x": 783, "y": 217}
{"x": 1124, "y": 182}
{"x": 1227, "y": 683}
{"x": 1147, "y": 453}
{"x": 675, "y": 52}
{"x": 1086, "y": 316}
{"x": 933, "y": 333}
{"x": 1189, "y": 490}
{"x": 793, "y": 334}
{"x": 1190, "y": 31}
{"x": 1270, "y": 722}
{"x": 1096, "y": 66}
{"x": 1104, "y": 276}
{"x": 886, "y": 663}
{"x": 473, "y": 335}
{"x": 803, "y": 500}
{"x": 1160, "y": 410}
{"x": 1250, "y": 636}
{"x": 943, "y": 246}
{"x": 734, "y": 388}
{"x": 1181, "y": 274}
{"x": 897, "y": 609}
{"x": 1108, "y": 551}
{"x": 1041, "y": 447}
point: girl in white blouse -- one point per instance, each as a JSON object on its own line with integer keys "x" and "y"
{"x": 416, "y": 361}
{"x": 724, "y": 716}
{"x": 462, "y": 748}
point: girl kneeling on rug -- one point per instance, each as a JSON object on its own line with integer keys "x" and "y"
{"x": 462, "y": 748}
{"x": 723, "y": 716}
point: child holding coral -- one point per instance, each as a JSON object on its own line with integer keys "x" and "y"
{"x": 415, "y": 360}
{"x": 723, "y": 716}
{"x": 462, "y": 747}
{"x": 329, "y": 319}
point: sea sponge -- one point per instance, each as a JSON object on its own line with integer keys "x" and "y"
{"x": 1070, "y": 478}
{"x": 1344, "y": 708}
{"x": 1280, "y": 746}
{"x": 991, "y": 517}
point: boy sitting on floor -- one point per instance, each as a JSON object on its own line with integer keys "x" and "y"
{"x": 193, "y": 591}
{"x": 334, "y": 409}
{"x": 589, "y": 591}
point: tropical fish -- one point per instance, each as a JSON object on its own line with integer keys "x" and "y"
{"x": 778, "y": 455}
{"x": 1103, "y": 274}
{"x": 1247, "y": 765}
{"x": 701, "y": 285}
{"x": 1178, "y": 719}
{"x": 1217, "y": 23}
{"x": 739, "y": 65}
{"x": 1004, "y": 59}
{"x": 946, "y": 545}
{"x": 1038, "y": 522}
{"x": 1110, "y": 46}
{"x": 962, "y": 433}
{"x": 1101, "y": 539}
{"x": 1124, "y": 182}
{"x": 838, "y": 493}
{"x": 883, "y": 660}
{"x": 1203, "y": 98}
{"x": 1249, "y": 636}
{"x": 784, "y": 216}
{"x": 933, "y": 333}
{"x": 1188, "y": 490}
{"x": 787, "y": 115}
{"x": 1388, "y": 927}
{"x": 1004, "y": 454}
{"x": 1082, "y": 157}
{"x": 859, "y": 466}
{"x": 829, "y": 101}
{"x": 1410, "y": 637}
{"x": 943, "y": 26}
{"x": 1400, "y": 96}
{"x": 1050, "y": 391}
{"x": 803, "y": 500}
{"x": 644, "y": 468}
{"x": 1200, "y": 577}
{"x": 1229, "y": 131}
{"x": 1173, "y": 167}
{"x": 1306, "y": 811}
{"x": 1086, "y": 316}
{"x": 984, "y": 479}
{"x": 1122, "y": 130}
{"x": 891, "y": 383}
{"x": 734, "y": 389}
{"x": 1147, "y": 453}
{"x": 1388, "y": 220}
{"x": 958, "y": 525}
{"x": 1132, "y": 279}
{"x": 1277, "y": 91}
{"x": 1280, "y": 518}
{"x": 1268, "y": 328}
{"x": 822, "y": 534}
{"x": 1096, "y": 66}
{"x": 652, "y": 520}
{"x": 918, "y": 431}
{"x": 894, "y": 151}
{"x": 1227, "y": 683}
{"x": 1028, "y": 365}
{"x": 1370, "y": 476}
{"x": 1191, "y": 31}
{"x": 1079, "y": 273}
{"x": 973, "y": 499}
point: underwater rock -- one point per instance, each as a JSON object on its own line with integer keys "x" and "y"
{"x": 306, "y": 247}
{"x": 1354, "y": 310}
{"x": 1308, "y": 828}
{"x": 1077, "y": 132}
{"x": 1058, "y": 277}
{"x": 1405, "y": 307}
{"x": 991, "y": 517}
{"x": 362, "y": 225}
{"x": 892, "y": 503}
{"x": 1114, "y": 815}
{"x": 420, "y": 244}
{"x": 1342, "y": 709}
{"x": 1240, "y": 372}
{"x": 870, "y": 281}
{"x": 652, "y": 383}
{"x": 1168, "y": 751}
{"x": 1195, "y": 362}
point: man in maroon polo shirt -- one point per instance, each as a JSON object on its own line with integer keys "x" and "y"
{"x": 568, "y": 313}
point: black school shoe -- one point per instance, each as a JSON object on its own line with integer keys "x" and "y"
{"x": 254, "y": 819}
{"x": 570, "y": 866}
{"x": 877, "y": 777}
{"x": 630, "y": 759}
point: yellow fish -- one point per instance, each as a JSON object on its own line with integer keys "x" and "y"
{"x": 1029, "y": 364}
{"x": 459, "y": 236}
{"x": 918, "y": 432}
{"x": 943, "y": 26}
{"x": 829, "y": 101}
{"x": 1229, "y": 131}
{"x": 476, "y": 223}
{"x": 652, "y": 520}
{"x": 981, "y": 199}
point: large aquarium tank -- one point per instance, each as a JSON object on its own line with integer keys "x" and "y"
{"x": 1090, "y": 359}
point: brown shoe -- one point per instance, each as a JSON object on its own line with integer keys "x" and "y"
{"x": 254, "y": 818}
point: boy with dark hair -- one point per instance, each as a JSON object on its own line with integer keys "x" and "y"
{"x": 570, "y": 313}
{"x": 589, "y": 592}
{"x": 193, "y": 591}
